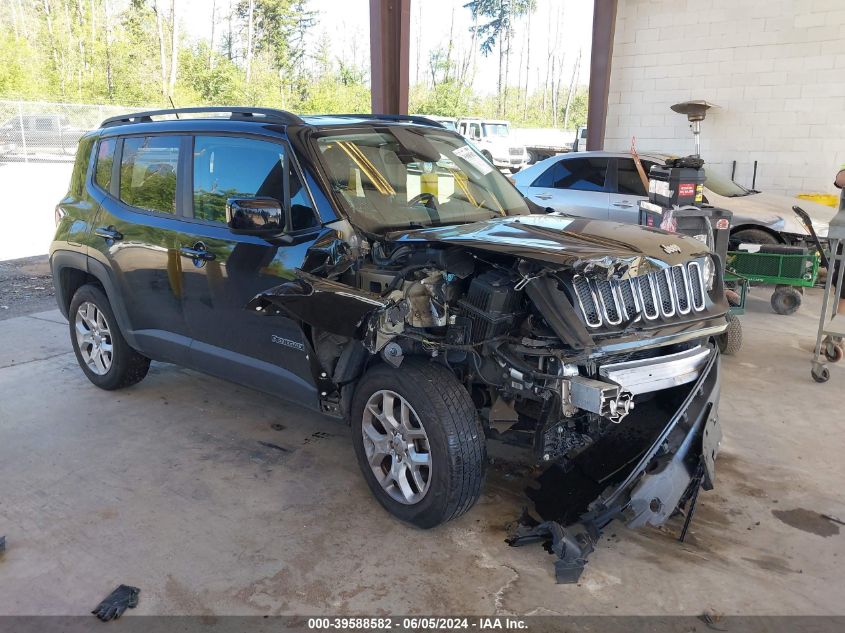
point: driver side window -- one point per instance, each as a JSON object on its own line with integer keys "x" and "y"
{"x": 230, "y": 167}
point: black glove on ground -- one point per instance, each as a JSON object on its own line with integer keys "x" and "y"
{"x": 113, "y": 606}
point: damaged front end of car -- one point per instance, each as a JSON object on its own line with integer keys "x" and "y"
{"x": 587, "y": 343}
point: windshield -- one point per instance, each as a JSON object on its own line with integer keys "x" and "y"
{"x": 725, "y": 186}
{"x": 409, "y": 177}
{"x": 495, "y": 129}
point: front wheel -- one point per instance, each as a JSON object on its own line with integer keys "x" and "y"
{"x": 730, "y": 341}
{"x": 418, "y": 441}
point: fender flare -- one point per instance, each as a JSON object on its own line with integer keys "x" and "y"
{"x": 65, "y": 259}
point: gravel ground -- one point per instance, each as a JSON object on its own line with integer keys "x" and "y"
{"x": 26, "y": 286}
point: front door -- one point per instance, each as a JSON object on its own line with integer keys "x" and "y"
{"x": 222, "y": 272}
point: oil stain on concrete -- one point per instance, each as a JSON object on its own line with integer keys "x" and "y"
{"x": 808, "y": 520}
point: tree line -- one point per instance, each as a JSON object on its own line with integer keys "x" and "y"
{"x": 265, "y": 53}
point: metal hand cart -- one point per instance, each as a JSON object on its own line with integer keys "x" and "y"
{"x": 788, "y": 268}
{"x": 829, "y": 339}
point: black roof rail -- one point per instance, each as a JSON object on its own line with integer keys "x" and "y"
{"x": 268, "y": 115}
{"x": 420, "y": 120}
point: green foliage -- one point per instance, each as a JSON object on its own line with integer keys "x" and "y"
{"x": 104, "y": 51}
{"x": 500, "y": 15}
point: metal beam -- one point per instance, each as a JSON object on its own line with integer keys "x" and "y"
{"x": 604, "y": 27}
{"x": 390, "y": 31}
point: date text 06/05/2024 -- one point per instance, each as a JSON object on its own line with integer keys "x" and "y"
{"x": 417, "y": 623}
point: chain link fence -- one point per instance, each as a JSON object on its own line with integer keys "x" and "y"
{"x": 40, "y": 131}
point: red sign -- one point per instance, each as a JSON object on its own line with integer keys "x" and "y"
{"x": 722, "y": 224}
{"x": 686, "y": 189}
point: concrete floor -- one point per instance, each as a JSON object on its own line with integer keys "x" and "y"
{"x": 167, "y": 486}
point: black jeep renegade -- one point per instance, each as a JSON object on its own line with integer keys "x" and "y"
{"x": 379, "y": 269}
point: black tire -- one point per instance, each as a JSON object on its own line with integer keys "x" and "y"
{"x": 458, "y": 452}
{"x": 820, "y": 375}
{"x": 752, "y": 236}
{"x": 786, "y": 300}
{"x": 127, "y": 365}
{"x": 730, "y": 342}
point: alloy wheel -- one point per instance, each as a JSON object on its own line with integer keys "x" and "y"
{"x": 397, "y": 447}
{"x": 94, "y": 338}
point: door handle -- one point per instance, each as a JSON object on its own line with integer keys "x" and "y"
{"x": 108, "y": 233}
{"x": 623, "y": 205}
{"x": 197, "y": 253}
{"x": 543, "y": 196}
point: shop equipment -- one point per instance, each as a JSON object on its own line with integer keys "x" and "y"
{"x": 788, "y": 268}
{"x": 829, "y": 338}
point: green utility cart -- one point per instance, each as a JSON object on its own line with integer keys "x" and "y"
{"x": 789, "y": 268}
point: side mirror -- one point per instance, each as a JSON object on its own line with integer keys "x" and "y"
{"x": 260, "y": 216}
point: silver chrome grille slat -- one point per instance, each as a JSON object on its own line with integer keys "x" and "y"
{"x": 679, "y": 276}
{"x": 675, "y": 291}
{"x": 665, "y": 293}
{"x": 648, "y": 296}
{"x": 697, "y": 285}
{"x": 587, "y": 301}
{"x": 609, "y": 305}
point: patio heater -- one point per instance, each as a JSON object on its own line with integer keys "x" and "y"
{"x": 695, "y": 111}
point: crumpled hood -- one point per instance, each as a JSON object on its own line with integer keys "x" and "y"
{"x": 567, "y": 241}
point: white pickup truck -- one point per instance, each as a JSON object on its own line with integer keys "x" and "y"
{"x": 493, "y": 139}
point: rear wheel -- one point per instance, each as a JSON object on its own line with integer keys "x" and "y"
{"x": 418, "y": 441}
{"x": 103, "y": 354}
{"x": 752, "y": 236}
{"x": 786, "y": 300}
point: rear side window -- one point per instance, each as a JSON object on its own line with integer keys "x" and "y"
{"x": 582, "y": 174}
{"x": 546, "y": 179}
{"x": 80, "y": 166}
{"x": 105, "y": 161}
{"x": 227, "y": 167}
{"x": 148, "y": 169}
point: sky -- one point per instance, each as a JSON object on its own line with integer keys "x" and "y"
{"x": 347, "y": 24}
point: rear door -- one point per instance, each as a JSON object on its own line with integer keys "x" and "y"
{"x": 626, "y": 190}
{"x": 222, "y": 272}
{"x": 575, "y": 186}
{"x": 137, "y": 237}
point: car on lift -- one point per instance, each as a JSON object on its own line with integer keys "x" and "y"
{"x": 606, "y": 185}
{"x": 379, "y": 269}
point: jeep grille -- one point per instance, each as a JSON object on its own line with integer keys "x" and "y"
{"x": 675, "y": 291}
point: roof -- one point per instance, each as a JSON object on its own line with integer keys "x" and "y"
{"x": 259, "y": 115}
{"x": 605, "y": 154}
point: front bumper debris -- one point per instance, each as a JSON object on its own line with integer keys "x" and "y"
{"x": 653, "y": 489}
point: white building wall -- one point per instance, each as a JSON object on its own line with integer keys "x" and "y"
{"x": 776, "y": 68}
